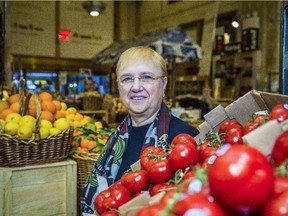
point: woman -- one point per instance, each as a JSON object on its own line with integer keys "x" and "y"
{"x": 142, "y": 79}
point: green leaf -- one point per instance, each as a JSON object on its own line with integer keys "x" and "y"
{"x": 72, "y": 150}
{"x": 77, "y": 139}
{"x": 97, "y": 148}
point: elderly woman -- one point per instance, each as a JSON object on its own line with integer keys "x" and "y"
{"x": 142, "y": 79}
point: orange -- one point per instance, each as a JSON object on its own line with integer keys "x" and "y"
{"x": 91, "y": 144}
{"x": 47, "y": 116}
{"x": 32, "y": 110}
{"x": 74, "y": 143}
{"x": 48, "y": 106}
{"x": 80, "y": 149}
{"x": 5, "y": 112}
{"x": 57, "y": 104}
{"x": 43, "y": 96}
{"x": 77, "y": 132}
{"x": 59, "y": 114}
{"x": 93, "y": 136}
{"x": 15, "y": 107}
{"x": 14, "y": 98}
{"x": 84, "y": 142}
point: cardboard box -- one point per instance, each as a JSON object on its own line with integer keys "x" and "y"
{"x": 48, "y": 189}
{"x": 264, "y": 137}
{"x": 241, "y": 110}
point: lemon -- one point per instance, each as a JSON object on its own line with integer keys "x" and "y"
{"x": 13, "y": 117}
{"x": 46, "y": 124}
{"x": 11, "y": 128}
{"x": 24, "y": 131}
{"x": 61, "y": 124}
{"x": 44, "y": 132}
{"x": 98, "y": 124}
{"x": 54, "y": 131}
{"x": 63, "y": 106}
{"x": 28, "y": 120}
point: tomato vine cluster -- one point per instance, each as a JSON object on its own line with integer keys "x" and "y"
{"x": 219, "y": 175}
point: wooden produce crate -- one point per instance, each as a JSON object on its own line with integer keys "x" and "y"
{"x": 49, "y": 189}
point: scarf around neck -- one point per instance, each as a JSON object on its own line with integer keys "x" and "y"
{"x": 106, "y": 168}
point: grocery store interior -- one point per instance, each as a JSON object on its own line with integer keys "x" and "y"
{"x": 54, "y": 46}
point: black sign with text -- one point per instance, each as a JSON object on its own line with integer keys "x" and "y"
{"x": 250, "y": 39}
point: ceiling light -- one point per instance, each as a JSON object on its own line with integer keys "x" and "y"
{"x": 94, "y": 8}
{"x": 235, "y": 24}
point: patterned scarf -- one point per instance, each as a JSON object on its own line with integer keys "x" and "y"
{"x": 105, "y": 170}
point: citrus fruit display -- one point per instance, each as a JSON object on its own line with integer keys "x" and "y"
{"x": 55, "y": 117}
{"x": 90, "y": 138}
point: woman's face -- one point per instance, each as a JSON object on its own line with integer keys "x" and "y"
{"x": 141, "y": 99}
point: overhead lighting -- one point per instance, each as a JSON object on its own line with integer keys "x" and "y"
{"x": 94, "y": 8}
{"x": 235, "y": 24}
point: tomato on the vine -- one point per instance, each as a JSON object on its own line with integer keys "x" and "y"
{"x": 280, "y": 149}
{"x": 277, "y": 206}
{"x": 279, "y": 112}
{"x": 183, "y": 155}
{"x": 111, "y": 198}
{"x": 110, "y": 213}
{"x": 157, "y": 188}
{"x": 151, "y": 155}
{"x": 223, "y": 126}
{"x": 206, "y": 150}
{"x": 196, "y": 204}
{"x": 241, "y": 179}
{"x": 256, "y": 121}
{"x": 135, "y": 181}
{"x": 160, "y": 172}
{"x": 183, "y": 138}
{"x": 234, "y": 134}
{"x": 153, "y": 209}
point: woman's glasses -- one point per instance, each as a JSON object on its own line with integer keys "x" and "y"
{"x": 145, "y": 78}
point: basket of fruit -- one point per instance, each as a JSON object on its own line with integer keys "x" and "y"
{"x": 33, "y": 130}
{"x": 91, "y": 100}
{"x": 87, "y": 144}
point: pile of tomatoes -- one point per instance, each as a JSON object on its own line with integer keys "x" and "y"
{"x": 218, "y": 176}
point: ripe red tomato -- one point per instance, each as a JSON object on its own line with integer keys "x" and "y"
{"x": 150, "y": 155}
{"x": 160, "y": 172}
{"x": 183, "y": 138}
{"x": 153, "y": 209}
{"x": 250, "y": 126}
{"x": 196, "y": 204}
{"x": 223, "y": 126}
{"x": 135, "y": 181}
{"x": 206, "y": 150}
{"x": 260, "y": 118}
{"x": 157, "y": 188}
{"x": 110, "y": 213}
{"x": 281, "y": 184}
{"x": 234, "y": 134}
{"x": 279, "y": 112}
{"x": 241, "y": 179}
{"x": 111, "y": 198}
{"x": 280, "y": 149}
{"x": 183, "y": 155}
{"x": 277, "y": 206}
